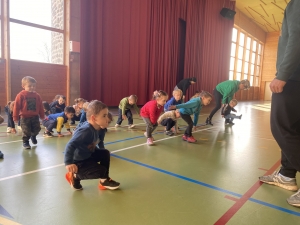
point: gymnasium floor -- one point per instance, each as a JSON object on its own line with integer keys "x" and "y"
{"x": 214, "y": 181}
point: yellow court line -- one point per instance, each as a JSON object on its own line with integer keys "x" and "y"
{"x": 4, "y": 221}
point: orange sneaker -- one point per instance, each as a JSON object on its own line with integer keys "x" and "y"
{"x": 184, "y": 137}
{"x": 75, "y": 183}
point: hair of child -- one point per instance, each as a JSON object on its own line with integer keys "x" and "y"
{"x": 94, "y": 108}
{"x": 193, "y": 79}
{"x": 246, "y": 83}
{"x": 28, "y": 79}
{"x": 205, "y": 94}
{"x": 133, "y": 97}
{"x": 110, "y": 116}
{"x": 11, "y": 106}
{"x": 69, "y": 109}
{"x": 46, "y": 105}
{"x": 234, "y": 101}
{"x": 85, "y": 105}
{"x": 158, "y": 94}
{"x": 178, "y": 91}
{"x": 77, "y": 100}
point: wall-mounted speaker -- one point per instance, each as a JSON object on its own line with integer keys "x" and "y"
{"x": 227, "y": 13}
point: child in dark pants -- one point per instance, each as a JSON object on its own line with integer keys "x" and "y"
{"x": 28, "y": 106}
{"x": 226, "y": 112}
{"x": 1, "y": 121}
{"x": 169, "y": 120}
{"x": 83, "y": 159}
{"x": 193, "y": 106}
{"x": 125, "y": 106}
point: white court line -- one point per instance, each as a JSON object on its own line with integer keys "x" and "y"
{"x": 123, "y": 149}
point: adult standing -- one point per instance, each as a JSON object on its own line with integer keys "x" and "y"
{"x": 224, "y": 92}
{"x": 285, "y": 110}
{"x": 184, "y": 84}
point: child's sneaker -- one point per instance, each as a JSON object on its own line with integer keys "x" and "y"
{"x": 26, "y": 145}
{"x": 149, "y": 141}
{"x": 33, "y": 140}
{"x": 145, "y": 134}
{"x": 1, "y": 155}
{"x": 231, "y": 123}
{"x": 20, "y": 128}
{"x": 227, "y": 121}
{"x": 117, "y": 125}
{"x": 294, "y": 200}
{"x": 8, "y": 130}
{"x": 281, "y": 181}
{"x": 109, "y": 184}
{"x": 130, "y": 126}
{"x": 47, "y": 134}
{"x": 184, "y": 137}
{"x": 191, "y": 139}
{"x": 74, "y": 182}
{"x": 240, "y": 117}
{"x": 170, "y": 133}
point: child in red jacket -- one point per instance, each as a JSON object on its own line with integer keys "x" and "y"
{"x": 150, "y": 113}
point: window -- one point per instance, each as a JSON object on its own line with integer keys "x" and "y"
{"x": 37, "y": 30}
{"x": 246, "y": 56}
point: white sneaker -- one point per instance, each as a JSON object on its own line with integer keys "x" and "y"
{"x": 19, "y": 128}
{"x": 117, "y": 125}
{"x": 131, "y": 126}
{"x": 8, "y": 129}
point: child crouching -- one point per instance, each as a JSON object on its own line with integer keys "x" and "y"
{"x": 83, "y": 159}
{"x": 58, "y": 120}
{"x": 169, "y": 120}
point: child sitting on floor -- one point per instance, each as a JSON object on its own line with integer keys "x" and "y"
{"x": 226, "y": 112}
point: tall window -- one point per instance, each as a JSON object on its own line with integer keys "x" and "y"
{"x": 245, "y": 57}
{"x": 37, "y": 30}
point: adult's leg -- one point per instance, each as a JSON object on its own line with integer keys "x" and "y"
{"x": 285, "y": 126}
{"x": 218, "y": 98}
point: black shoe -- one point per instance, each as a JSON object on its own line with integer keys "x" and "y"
{"x": 170, "y": 133}
{"x": 1, "y": 155}
{"x": 109, "y": 184}
{"x": 72, "y": 123}
{"x": 231, "y": 123}
{"x": 33, "y": 140}
{"x": 208, "y": 121}
{"x": 227, "y": 121}
{"x": 26, "y": 145}
{"x": 47, "y": 134}
{"x": 240, "y": 117}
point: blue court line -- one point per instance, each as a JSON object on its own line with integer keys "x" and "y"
{"x": 208, "y": 185}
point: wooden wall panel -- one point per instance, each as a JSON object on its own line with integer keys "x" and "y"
{"x": 2, "y": 84}
{"x": 269, "y": 60}
{"x": 245, "y": 23}
{"x": 51, "y": 79}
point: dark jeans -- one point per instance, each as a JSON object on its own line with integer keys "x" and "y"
{"x": 49, "y": 124}
{"x": 218, "y": 99}
{"x": 285, "y": 127}
{"x": 91, "y": 169}
{"x": 149, "y": 126}
{"x": 187, "y": 118}
{"x": 76, "y": 118}
{"x": 128, "y": 114}
{"x": 30, "y": 127}
{"x": 168, "y": 123}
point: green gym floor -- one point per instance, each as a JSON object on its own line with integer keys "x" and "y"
{"x": 213, "y": 181}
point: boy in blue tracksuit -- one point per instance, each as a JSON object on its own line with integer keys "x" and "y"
{"x": 175, "y": 100}
{"x": 58, "y": 120}
{"x": 193, "y": 106}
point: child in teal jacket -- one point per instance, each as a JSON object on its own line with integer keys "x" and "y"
{"x": 189, "y": 108}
